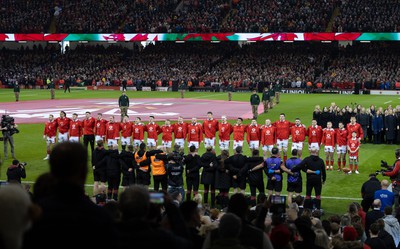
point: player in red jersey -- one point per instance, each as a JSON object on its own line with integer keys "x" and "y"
{"x": 138, "y": 129}
{"x": 253, "y": 135}
{"x": 353, "y": 146}
{"x": 239, "y": 130}
{"x": 49, "y": 134}
{"x": 341, "y": 145}
{"x": 298, "y": 132}
{"x": 167, "y": 130}
{"x": 100, "y": 128}
{"x": 88, "y": 130}
{"x": 210, "y": 128}
{"x": 75, "y": 129}
{"x": 153, "y": 130}
{"x": 126, "y": 132}
{"x": 314, "y": 133}
{"x": 112, "y": 133}
{"x": 63, "y": 127}
{"x": 268, "y": 138}
{"x": 194, "y": 134}
{"x": 180, "y": 131}
{"x": 225, "y": 131}
{"x": 282, "y": 134}
{"x": 329, "y": 140}
{"x": 354, "y": 126}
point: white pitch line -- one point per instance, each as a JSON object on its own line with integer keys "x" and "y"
{"x": 247, "y": 193}
{"x": 388, "y": 101}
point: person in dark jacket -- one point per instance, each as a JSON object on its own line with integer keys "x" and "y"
{"x": 192, "y": 163}
{"x": 15, "y": 172}
{"x": 254, "y": 102}
{"x": 314, "y": 167}
{"x": 253, "y": 171}
{"x": 99, "y": 167}
{"x": 237, "y": 162}
{"x": 175, "y": 170}
{"x": 209, "y": 163}
{"x": 128, "y": 167}
{"x": 363, "y": 120}
{"x": 385, "y": 236}
{"x": 390, "y": 127}
{"x": 374, "y": 215}
{"x": 368, "y": 190}
{"x": 374, "y": 242}
{"x": 377, "y": 127}
{"x": 223, "y": 179}
{"x": 113, "y": 172}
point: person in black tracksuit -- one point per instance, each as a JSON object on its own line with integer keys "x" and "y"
{"x": 237, "y": 162}
{"x": 99, "y": 167}
{"x": 15, "y": 172}
{"x": 175, "y": 170}
{"x": 192, "y": 162}
{"x": 314, "y": 166}
{"x": 253, "y": 171}
{"x": 113, "y": 172}
{"x": 142, "y": 159}
{"x": 209, "y": 163}
{"x": 223, "y": 179}
{"x": 128, "y": 168}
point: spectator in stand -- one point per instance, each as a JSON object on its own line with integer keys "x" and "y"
{"x": 384, "y": 195}
{"x": 68, "y": 207}
{"x": 368, "y": 190}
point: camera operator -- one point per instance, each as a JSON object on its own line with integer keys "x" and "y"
{"x": 394, "y": 175}
{"x": 16, "y": 171}
{"x": 8, "y": 128}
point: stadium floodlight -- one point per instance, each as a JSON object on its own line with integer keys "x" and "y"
{"x": 288, "y": 41}
{"x": 326, "y": 41}
{"x": 179, "y": 41}
{"x": 365, "y": 41}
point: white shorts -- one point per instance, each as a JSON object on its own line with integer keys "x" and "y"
{"x": 196, "y": 144}
{"x": 224, "y": 145}
{"x": 341, "y": 149}
{"x": 151, "y": 142}
{"x": 254, "y": 145}
{"x": 298, "y": 146}
{"x": 125, "y": 141}
{"x": 180, "y": 142}
{"x": 329, "y": 149}
{"x": 111, "y": 142}
{"x": 282, "y": 144}
{"x": 353, "y": 157}
{"x": 267, "y": 148}
{"x": 209, "y": 142}
{"x": 137, "y": 142}
{"x": 313, "y": 145}
{"x": 99, "y": 138}
{"x": 237, "y": 143}
{"x": 62, "y": 137}
{"x": 167, "y": 144}
{"x": 50, "y": 140}
{"x": 74, "y": 139}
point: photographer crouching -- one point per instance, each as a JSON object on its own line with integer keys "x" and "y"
{"x": 394, "y": 174}
{"x": 8, "y": 129}
{"x": 16, "y": 172}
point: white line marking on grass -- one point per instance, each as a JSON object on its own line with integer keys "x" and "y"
{"x": 205, "y": 96}
{"x": 388, "y": 101}
{"x": 248, "y": 193}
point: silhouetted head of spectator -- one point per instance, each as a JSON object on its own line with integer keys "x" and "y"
{"x": 388, "y": 210}
{"x": 238, "y": 149}
{"x": 190, "y": 213}
{"x": 238, "y": 205}
{"x": 142, "y": 146}
{"x": 299, "y": 200}
{"x": 280, "y": 236}
{"x": 44, "y": 186}
{"x": 255, "y": 153}
{"x": 275, "y": 151}
{"x": 349, "y": 234}
{"x": 192, "y": 148}
{"x": 134, "y": 203}
{"x": 230, "y": 226}
{"x": 68, "y": 163}
{"x": 261, "y": 198}
{"x": 303, "y": 225}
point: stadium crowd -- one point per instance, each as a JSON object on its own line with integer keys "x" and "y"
{"x": 186, "y": 16}
{"x": 373, "y": 66}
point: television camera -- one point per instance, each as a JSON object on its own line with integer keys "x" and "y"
{"x": 8, "y": 122}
